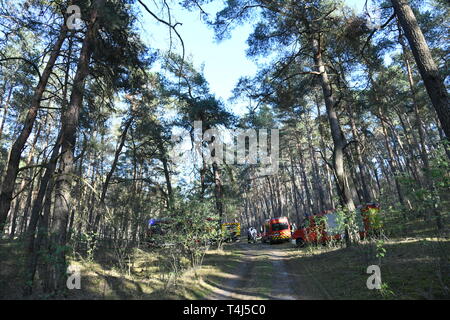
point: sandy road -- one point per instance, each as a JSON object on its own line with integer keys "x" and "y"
{"x": 263, "y": 272}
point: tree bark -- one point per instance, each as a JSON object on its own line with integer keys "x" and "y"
{"x": 339, "y": 141}
{"x": 70, "y": 119}
{"x": 427, "y": 67}
{"x": 18, "y": 145}
{"x": 218, "y": 191}
{"x": 31, "y": 249}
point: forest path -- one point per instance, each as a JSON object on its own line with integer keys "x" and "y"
{"x": 263, "y": 272}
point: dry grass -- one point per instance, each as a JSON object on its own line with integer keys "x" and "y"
{"x": 148, "y": 274}
{"x": 411, "y": 269}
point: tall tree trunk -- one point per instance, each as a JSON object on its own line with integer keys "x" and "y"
{"x": 295, "y": 189}
{"x": 272, "y": 196}
{"x": 318, "y": 185}
{"x": 105, "y": 186}
{"x": 18, "y": 145}
{"x": 24, "y": 222}
{"x": 324, "y": 154}
{"x": 70, "y": 119}
{"x": 419, "y": 123}
{"x": 42, "y": 239}
{"x": 31, "y": 249}
{"x": 427, "y": 67}
{"x": 391, "y": 159}
{"x": 22, "y": 186}
{"x": 361, "y": 166}
{"x": 339, "y": 141}
{"x": 411, "y": 161}
{"x": 310, "y": 210}
{"x": 218, "y": 191}
{"x": 279, "y": 198}
{"x": 165, "y": 163}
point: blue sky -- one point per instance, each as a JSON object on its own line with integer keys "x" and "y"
{"x": 225, "y": 62}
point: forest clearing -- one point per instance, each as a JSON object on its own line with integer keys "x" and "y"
{"x": 224, "y": 150}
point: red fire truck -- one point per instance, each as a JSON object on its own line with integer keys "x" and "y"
{"x": 276, "y": 230}
{"x": 318, "y": 229}
{"x": 323, "y": 227}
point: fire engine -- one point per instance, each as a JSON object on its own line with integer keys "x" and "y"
{"x": 320, "y": 228}
{"x": 324, "y": 227}
{"x": 232, "y": 231}
{"x": 276, "y": 230}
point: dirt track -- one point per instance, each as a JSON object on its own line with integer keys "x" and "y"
{"x": 264, "y": 272}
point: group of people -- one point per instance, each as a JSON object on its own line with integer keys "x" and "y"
{"x": 252, "y": 235}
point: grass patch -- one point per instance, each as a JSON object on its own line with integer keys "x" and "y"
{"x": 411, "y": 269}
{"x": 147, "y": 274}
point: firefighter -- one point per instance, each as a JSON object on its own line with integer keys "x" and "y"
{"x": 293, "y": 228}
{"x": 254, "y": 234}
{"x": 251, "y": 235}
